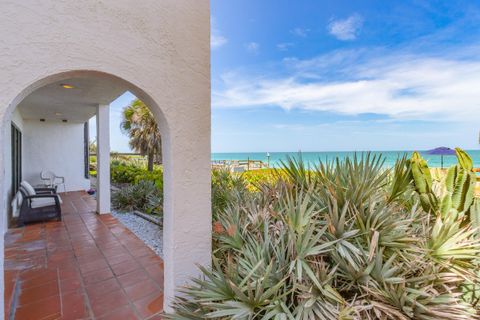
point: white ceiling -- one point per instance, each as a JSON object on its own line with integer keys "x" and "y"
{"x": 75, "y": 105}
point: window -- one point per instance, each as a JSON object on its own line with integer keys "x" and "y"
{"x": 16, "y": 158}
{"x": 86, "y": 152}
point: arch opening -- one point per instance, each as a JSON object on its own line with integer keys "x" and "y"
{"x": 51, "y": 116}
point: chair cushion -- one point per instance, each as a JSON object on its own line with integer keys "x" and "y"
{"x": 17, "y": 204}
{"x": 44, "y": 202}
{"x": 30, "y": 190}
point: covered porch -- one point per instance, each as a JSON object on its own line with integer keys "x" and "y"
{"x": 87, "y": 266}
{"x": 49, "y": 132}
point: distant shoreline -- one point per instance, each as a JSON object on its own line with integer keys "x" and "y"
{"x": 313, "y": 158}
{"x": 341, "y": 151}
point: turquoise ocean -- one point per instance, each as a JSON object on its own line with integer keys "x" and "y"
{"x": 313, "y": 158}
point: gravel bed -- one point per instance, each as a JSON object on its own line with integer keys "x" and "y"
{"x": 148, "y": 232}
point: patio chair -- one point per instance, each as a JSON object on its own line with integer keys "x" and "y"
{"x": 38, "y": 204}
{"x": 51, "y": 180}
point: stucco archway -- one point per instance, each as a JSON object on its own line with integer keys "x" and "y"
{"x": 163, "y": 125}
{"x": 66, "y": 75}
{"x": 161, "y": 51}
{"x": 97, "y": 88}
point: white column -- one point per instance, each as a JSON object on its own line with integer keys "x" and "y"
{"x": 187, "y": 220}
{"x": 103, "y": 159}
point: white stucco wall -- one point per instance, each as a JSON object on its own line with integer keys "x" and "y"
{"x": 161, "y": 51}
{"x": 54, "y": 146}
{"x": 7, "y": 151}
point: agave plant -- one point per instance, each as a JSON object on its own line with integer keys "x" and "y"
{"x": 144, "y": 196}
{"x": 348, "y": 239}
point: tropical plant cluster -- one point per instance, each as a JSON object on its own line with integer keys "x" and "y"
{"x": 124, "y": 172}
{"x": 144, "y": 196}
{"x": 348, "y": 239}
{"x": 140, "y": 189}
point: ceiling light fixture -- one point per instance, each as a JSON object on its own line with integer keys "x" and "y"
{"x": 67, "y": 86}
{"x": 58, "y": 113}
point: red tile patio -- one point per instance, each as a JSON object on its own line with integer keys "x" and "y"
{"x": 85, "y": 267}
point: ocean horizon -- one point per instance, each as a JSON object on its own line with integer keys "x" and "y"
{"x": 313, "y": 158}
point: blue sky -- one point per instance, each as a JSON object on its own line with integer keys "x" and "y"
{"x": 341, "y": 75}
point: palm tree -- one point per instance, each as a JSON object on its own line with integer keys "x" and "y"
{"x": 139, "y": 123}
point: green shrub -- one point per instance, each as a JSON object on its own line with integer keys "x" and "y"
{"x": 145, "y": 189}
{"x": 156, "y": 176}
{"x": 255, "y": 178}
{"x": 346, "y": 240}
{"x": 227, "y": 188}
{"x": 143, "y": 196}
{"x": 124, "y": 173}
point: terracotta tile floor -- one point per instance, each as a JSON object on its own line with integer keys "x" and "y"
{"x": 85, "y": 267}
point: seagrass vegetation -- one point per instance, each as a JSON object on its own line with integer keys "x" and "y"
{"x": 345, "y": 240}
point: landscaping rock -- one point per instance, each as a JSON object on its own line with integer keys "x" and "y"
{"x": 147, "y": 231}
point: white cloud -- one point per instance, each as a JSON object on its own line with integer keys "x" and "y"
{"x": 346, "y": 29}
{"x": 284, "y": 46}
{"x": 400, "y": 86}
{"x": 300, "y": 32}
{"x": 217, "y": 41}
{"x": 252, "y": 47}
{"x": 216, "y": 38}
